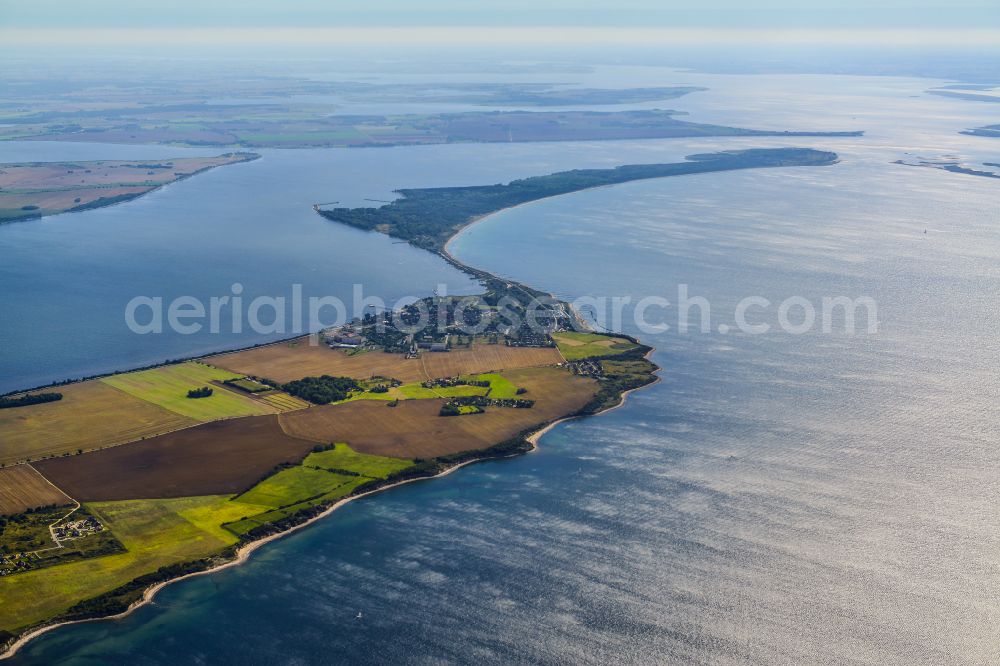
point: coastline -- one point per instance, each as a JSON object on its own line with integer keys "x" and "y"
{"x": 93, "y": 205}
{"x": 243, "y": 552}
{"x": 445, "y": 253}
{"x": 535, "y": 437}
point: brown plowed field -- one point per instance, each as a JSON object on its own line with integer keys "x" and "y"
{"x": 210, "y": 459}
{"x": 23, "y": 488}
{"x": 285, "y": 362}
{"x": 413, "y": 428}
{"x": 486, "y": 358}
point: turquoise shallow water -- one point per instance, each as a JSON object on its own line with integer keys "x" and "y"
{"x": 774, "y": 499}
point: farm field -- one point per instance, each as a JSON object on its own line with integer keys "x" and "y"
{"x": 248, "y": 385}
{"x": 280, "y": 400}
{"x": 155, "y": 533}
{"x": 575, "y": 346}
{"x": 283, "y": 402}
{"x": 484, "y": 358}
{"x": 285, "y": 362}
{"x": 213, "y": 458}
{"x": 415, "y": 391}
{"x": 22, "y": 488}
{"x": 393, "y": 394}
{"x": 413, "y": 429}
{"x": 500, "y": 387}
{"x": 91, "y": 415}
{"x": 247, "y": 523}
{"x": 167, "y": 387}
{"x": 322, "y": 477}
{"x": 37, "y": 189}
{"x": 186, "y": 494}
{"x": 293, "y": 485}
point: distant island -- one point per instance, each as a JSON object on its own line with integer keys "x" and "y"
{"x": 36, "y": 189}
{"x": 972, "y": 97}
{"x": 956, "y": 92}
{"x": 986, "y": 130}
{"x": 576, "y": 96}
{"x": 953, "y": 166}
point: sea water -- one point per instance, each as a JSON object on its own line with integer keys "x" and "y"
{"x": 775, "y": 498}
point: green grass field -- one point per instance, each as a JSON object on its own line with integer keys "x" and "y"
{"x": 501, "y": 388}
{"x": 344, "y": 457}
{"x": 247, "y": 523}
{"x": 312, "y": 483}
{"x": 167, "y": 387}
{"x": 415, "y": 391}
{"x": 155, "y": 533}
{"x": 293, "y": 485}
{"x": 368, "y": 395}
{"x": 576, "y": 346}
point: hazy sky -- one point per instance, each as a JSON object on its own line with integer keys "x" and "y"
{"x": 667, "y": 13}
{"x": 101, "y": 18}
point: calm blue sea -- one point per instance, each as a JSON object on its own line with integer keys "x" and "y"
{"x": 776, "y": 498}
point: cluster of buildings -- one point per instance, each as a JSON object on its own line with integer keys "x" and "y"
{"x": 75, "y": 529}
{"x": 587, "y": 368}
{"x": 11, "y": 564}
{"x": 347, "y": 336}
{"x": 379, "y": 330}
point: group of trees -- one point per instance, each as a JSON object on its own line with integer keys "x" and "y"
{"x": 29, "y": 399}
{"x": 203, "y": 392}
{"x": 322, "y": 390}
{"x": 474, "y": 404}
{"x": 454, "y": 408}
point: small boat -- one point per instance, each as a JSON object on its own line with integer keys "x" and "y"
{"x": 358, "y": 616}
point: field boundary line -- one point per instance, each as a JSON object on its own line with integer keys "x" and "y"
{"x": 52, "y": 526}
{"x": 46, "y": 479}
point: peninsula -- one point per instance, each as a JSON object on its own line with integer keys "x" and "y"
{"x": 132, "y": 480}
{"x": 428, "y": 217}
{"x": 36, "y": 189}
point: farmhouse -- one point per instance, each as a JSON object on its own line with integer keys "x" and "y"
{"x": 345, "y": 336}
{"x": 435, "y": 346}
{"x": 348, "y": 340}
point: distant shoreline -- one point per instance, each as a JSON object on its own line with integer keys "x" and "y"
{"x": 106, "y": 202}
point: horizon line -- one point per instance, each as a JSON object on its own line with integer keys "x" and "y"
{"x": 512, "y": 35}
